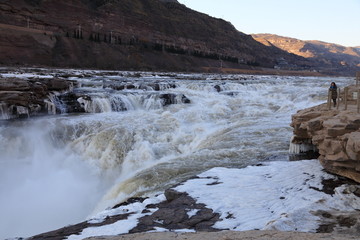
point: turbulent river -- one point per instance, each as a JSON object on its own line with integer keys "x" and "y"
{"x": 60, "y": 169}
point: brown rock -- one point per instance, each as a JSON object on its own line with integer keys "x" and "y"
{"x": 353, "y": 146}
{"x": 336, "y": 135}
{"x": 314, "y": 125}
{"x": 26, "y": 97}
{"x": 14, "y": 84}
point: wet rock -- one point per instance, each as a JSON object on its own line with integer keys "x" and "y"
{"x": 162, "y": 86}
{"x": 14, "y": 84}
{"x": 28, "y": 97}
{"x": 55, "y": 84}
{"x": 169, "y": 98}
{"x": 217, "y": 88}
{"x": 70, "y": 102}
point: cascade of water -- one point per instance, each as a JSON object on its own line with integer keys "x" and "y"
{"x": 151, "y": 102}
{"x": 55, "y": 104}
{"x": 51, "y": 107}
{"x": 4, "y": 111}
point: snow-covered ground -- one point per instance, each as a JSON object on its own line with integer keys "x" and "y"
{"x": 279, "y": 195}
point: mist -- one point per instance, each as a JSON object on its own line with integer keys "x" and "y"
{"x": 42, "y": 186}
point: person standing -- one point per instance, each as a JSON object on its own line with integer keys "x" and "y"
{"x": 333, "y": 92}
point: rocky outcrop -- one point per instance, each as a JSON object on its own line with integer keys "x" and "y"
{"x": 28, "y": 97}
{"x": 171, "y": 214}
{"x": 334, "y": 133}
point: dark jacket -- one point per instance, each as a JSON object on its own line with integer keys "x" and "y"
{"x": 333, "y": 91}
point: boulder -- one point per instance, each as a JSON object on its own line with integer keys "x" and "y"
{"x": 353, "y": 146}
{"x": 170, "y": 98}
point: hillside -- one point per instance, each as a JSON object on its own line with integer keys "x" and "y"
{"x": 152, "y": 35}
{"x": 127, "y": 34}
{"x": 326, "y": 56}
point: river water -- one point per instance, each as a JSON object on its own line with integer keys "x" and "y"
{"x": 61, "y": 169}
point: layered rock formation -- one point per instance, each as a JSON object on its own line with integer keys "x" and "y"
{"x": 31, "y": 95}
{"x": 28, "y": 97}
{"x": 334, "y": 133}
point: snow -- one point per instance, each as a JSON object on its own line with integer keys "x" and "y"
{"x": 276, "y": 195}
{"x": 122, "y": 226}
{"x": 192, "y": 212}
{"x": 279, "y": 195}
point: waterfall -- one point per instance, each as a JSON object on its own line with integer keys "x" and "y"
{"x": 137, "y": 141}
{"x": 4, "y": 111}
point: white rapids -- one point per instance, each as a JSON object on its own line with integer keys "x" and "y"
{"x": 74, "y": 165}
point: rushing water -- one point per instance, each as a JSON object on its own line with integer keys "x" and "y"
{"x": 60, "y": 169}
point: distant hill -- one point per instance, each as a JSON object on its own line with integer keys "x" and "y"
{"x": 324, "y": 55}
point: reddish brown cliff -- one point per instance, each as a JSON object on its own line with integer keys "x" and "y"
{"x": 127, "y": 34}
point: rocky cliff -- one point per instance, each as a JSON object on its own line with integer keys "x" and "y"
{"x": 326, "y": 56}
{"x": 334, "y": 133}
{"x": 127, "y": 34}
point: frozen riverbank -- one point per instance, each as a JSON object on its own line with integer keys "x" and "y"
{"x": 284, "y": 196}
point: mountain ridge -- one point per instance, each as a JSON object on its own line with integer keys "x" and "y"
{"x": 133, "y": 35}
{"x": 329, "y": 54}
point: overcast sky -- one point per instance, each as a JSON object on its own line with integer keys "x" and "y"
{"x": 333, "y": 21}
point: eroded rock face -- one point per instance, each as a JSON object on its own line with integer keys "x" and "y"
{"x": 22, "y": 98}
{"x": 334, "y": 133}
{"x": 28, "y": 97}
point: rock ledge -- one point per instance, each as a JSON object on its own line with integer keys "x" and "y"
{"x": 334, "y": 133}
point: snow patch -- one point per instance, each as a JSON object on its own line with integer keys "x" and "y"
{"x": 277, "y": 195}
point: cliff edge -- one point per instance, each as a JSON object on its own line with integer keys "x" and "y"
{"x": 333, "y": 132}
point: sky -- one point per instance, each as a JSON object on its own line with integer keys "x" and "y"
{"x": 333, "y": 21}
